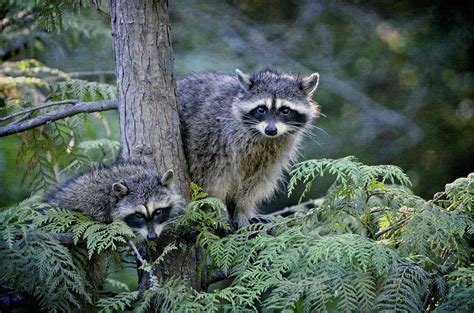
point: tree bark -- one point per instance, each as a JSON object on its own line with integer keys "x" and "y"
{"x": 149, "y": 120}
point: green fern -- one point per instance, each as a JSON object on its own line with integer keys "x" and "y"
{"x": 205, "y": 215}
{"x": 82, "y": 90}
{"x": 460, "y": 194}
{"x": 35, "y": 263}
{"x": 119, "y": 302}
{"x": 403, "y": 289}
{"x": 351, "y": 176}
{"x": 370, "y": 246}
{"x": 97, "y": 236}
{"x": 173, "y": 295}
{"x": 52, "y": 147}
{"x": 438, "y": 234}
{"x": 197, "y": 193}
{"x": 460, "y": 297}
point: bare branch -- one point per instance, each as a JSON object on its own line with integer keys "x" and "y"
{"x": 64, "y": 238}
{"x": 80, "y": 107}
{"x": 80, "y": 74}
{"x": 146, "y": 267}
{"x": 399, "y": 223}
{"x": 90, "y": 73}
{"x": 304, "y": 206}
{"x": 38, "y": 107}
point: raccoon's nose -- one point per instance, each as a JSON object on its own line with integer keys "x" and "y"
{"x": 151, "y": 235}
{"x": 271, "y": 130}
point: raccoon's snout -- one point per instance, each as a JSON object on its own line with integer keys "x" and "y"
{"x": 151, "y": 235}
{"x": 271, "y": 130}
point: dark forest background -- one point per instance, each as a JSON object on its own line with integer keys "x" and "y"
{"x": 397, "y": 83}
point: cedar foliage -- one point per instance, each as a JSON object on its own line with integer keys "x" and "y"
{"x": 55, "y": 144}
{"x": 369, "y": 246}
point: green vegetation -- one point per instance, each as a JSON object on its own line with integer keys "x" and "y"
{"x": 396, "y": 87}
{"x": 369, "y": 245}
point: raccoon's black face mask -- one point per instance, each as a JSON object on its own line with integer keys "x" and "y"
{"x": 147, "y": 208}
{"x": 275, "y": 117}
{"x": 148, "y": 222}
{"x": 277, "y": 104}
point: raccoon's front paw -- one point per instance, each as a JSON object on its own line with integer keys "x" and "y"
{"x": 260, "y": 219}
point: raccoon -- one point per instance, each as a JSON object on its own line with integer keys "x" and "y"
{"x": 131, "y": 192}
{"x": 242, "y": 132}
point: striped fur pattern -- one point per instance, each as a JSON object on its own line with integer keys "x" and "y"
{"x": 132, "y": 192}
{"x": 242, "y": 132}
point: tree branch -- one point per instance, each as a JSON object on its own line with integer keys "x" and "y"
{"x": 303, "y": 206}
{"x": 90, "y": 73}
{"x": 80, "y": 107}
{"x": 380, "y": 233}
{"x": 145, "y": 266}
{"x": 38, "y": 107}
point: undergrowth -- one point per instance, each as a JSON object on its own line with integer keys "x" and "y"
{"x": 370, "y": 245}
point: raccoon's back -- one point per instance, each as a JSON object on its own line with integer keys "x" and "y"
{"x": 91, "y": 192}
{"x": 198, "y": 93}
{"x": 207, "y": 124}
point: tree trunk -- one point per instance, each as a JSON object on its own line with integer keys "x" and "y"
{"x": 149, "y": 121}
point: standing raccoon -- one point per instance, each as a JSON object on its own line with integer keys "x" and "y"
{"x": 241, "y": 133}
{"x": 131, "y": 192}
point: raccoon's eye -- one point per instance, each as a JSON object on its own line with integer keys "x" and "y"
{"x": 285, "y": 111}
{"x": 261, "y": 109}
{"x": 157, "y": 212}
{"x": 138, "y": 215}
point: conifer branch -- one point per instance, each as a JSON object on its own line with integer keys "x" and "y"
{"x": 154, "y": 284}
{"x": 303, "y": 206}
{"x": 64, "y": 238}
{"x": 390, "y": 228}
{"x": 38, "y": 107}
{"x": 79, "y": 107}
{"x": 90, "y": 73}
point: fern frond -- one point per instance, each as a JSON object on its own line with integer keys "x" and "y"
{"x": 460, "y": 194}
{"x": 43, "y": 268}
{"x": 403, "y": 289}
{"x": 197, "y": 193}
{"x": 98, "y": 236}
{"x": 205, "y": 215}
{"x": 119, "y": 302}
{"x": 161, "y": 257}
{"x": 436, "y": 233}
{"x": 117, "y": 284}
{"x": 460, "y": 296}
{"x": 83, "y": 90}
{"x": 350, "y": 174}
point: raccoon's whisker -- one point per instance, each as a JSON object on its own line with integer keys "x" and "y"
{"x": 308, "y": 126}
{"x": 309, "y": 133}
{"x": 319, "y": 129}
{"x": 311, "y": 136}
{"x": 252, "y": 120}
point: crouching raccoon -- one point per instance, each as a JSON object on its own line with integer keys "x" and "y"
{"x": 131, "y": 192}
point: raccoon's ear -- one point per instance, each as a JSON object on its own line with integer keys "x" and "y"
{"x": 244, "y": 79}
{"x": 309, "y": 84}
{"x": 120, "y": 189}
{"x": 167, "y": 178}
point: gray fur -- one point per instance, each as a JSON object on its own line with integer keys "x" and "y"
{"x": 226, "y": 157}
{"x": 112, "y": 193}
